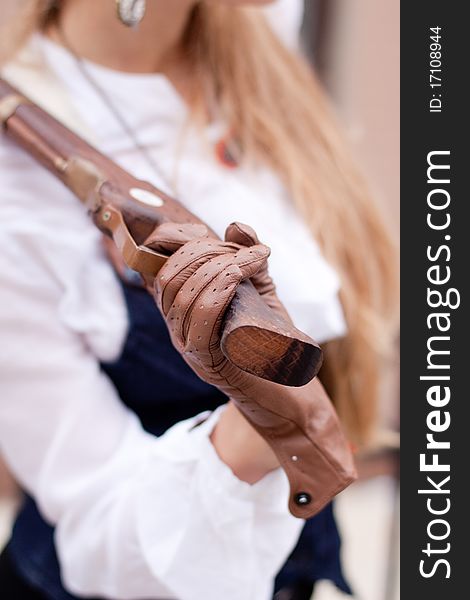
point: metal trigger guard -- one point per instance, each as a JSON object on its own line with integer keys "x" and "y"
{"x": 139, "y": 258}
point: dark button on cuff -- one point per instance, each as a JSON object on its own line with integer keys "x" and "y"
{"x": 302, "y": 499}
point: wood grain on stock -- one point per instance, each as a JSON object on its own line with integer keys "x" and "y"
{"x": 254, "y": 337}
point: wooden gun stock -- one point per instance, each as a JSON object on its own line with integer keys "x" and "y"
{"x": 254, "y": 338}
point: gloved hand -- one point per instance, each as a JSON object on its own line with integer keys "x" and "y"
{"x": 193, "y": 290}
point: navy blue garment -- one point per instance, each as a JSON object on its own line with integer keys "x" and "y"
{"x": 154, "y": 381}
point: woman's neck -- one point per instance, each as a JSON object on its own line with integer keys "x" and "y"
{"x": 93, "y": 30}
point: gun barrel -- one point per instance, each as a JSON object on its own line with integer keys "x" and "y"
{"x": 254, "y": 338}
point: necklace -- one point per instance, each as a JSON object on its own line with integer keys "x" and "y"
{"x": 111, "y": 107}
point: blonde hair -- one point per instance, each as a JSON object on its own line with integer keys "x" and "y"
{"x": 279, "y": 115}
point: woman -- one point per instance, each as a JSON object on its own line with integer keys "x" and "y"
{"x": 204, "y": 100}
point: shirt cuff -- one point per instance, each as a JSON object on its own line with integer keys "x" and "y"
{"x": 222, "y": 487}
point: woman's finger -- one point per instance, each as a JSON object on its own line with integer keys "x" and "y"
{"x": 179, "y": 313}
{"x": 206, "y": 311}
{"x": 244, "y": 235}
{"x": 252, "y": 260}
{"x": 181, "y": 266}
{"x": 241, "y": 234}
{"x": 202, "y": 339}
{"x": 169, "y": 237}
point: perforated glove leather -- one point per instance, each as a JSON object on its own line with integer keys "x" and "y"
{"x": 193, "y": 290}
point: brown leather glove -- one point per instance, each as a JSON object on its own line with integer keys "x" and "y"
{"x": 193, "y": 290}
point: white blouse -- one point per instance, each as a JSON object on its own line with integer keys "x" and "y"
{"x": 136, "y": 516}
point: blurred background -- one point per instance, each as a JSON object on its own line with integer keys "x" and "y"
{"x": 355, "y": 48}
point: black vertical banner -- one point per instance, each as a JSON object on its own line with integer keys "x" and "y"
{"x": 435, "y": 263}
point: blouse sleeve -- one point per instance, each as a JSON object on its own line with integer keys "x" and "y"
{"x": 133, "y": 512}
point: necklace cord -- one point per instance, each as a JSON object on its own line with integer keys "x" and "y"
{"x": 111, "y": 107}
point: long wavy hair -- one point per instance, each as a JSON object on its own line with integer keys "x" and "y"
{"x": 278, "y": 112}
